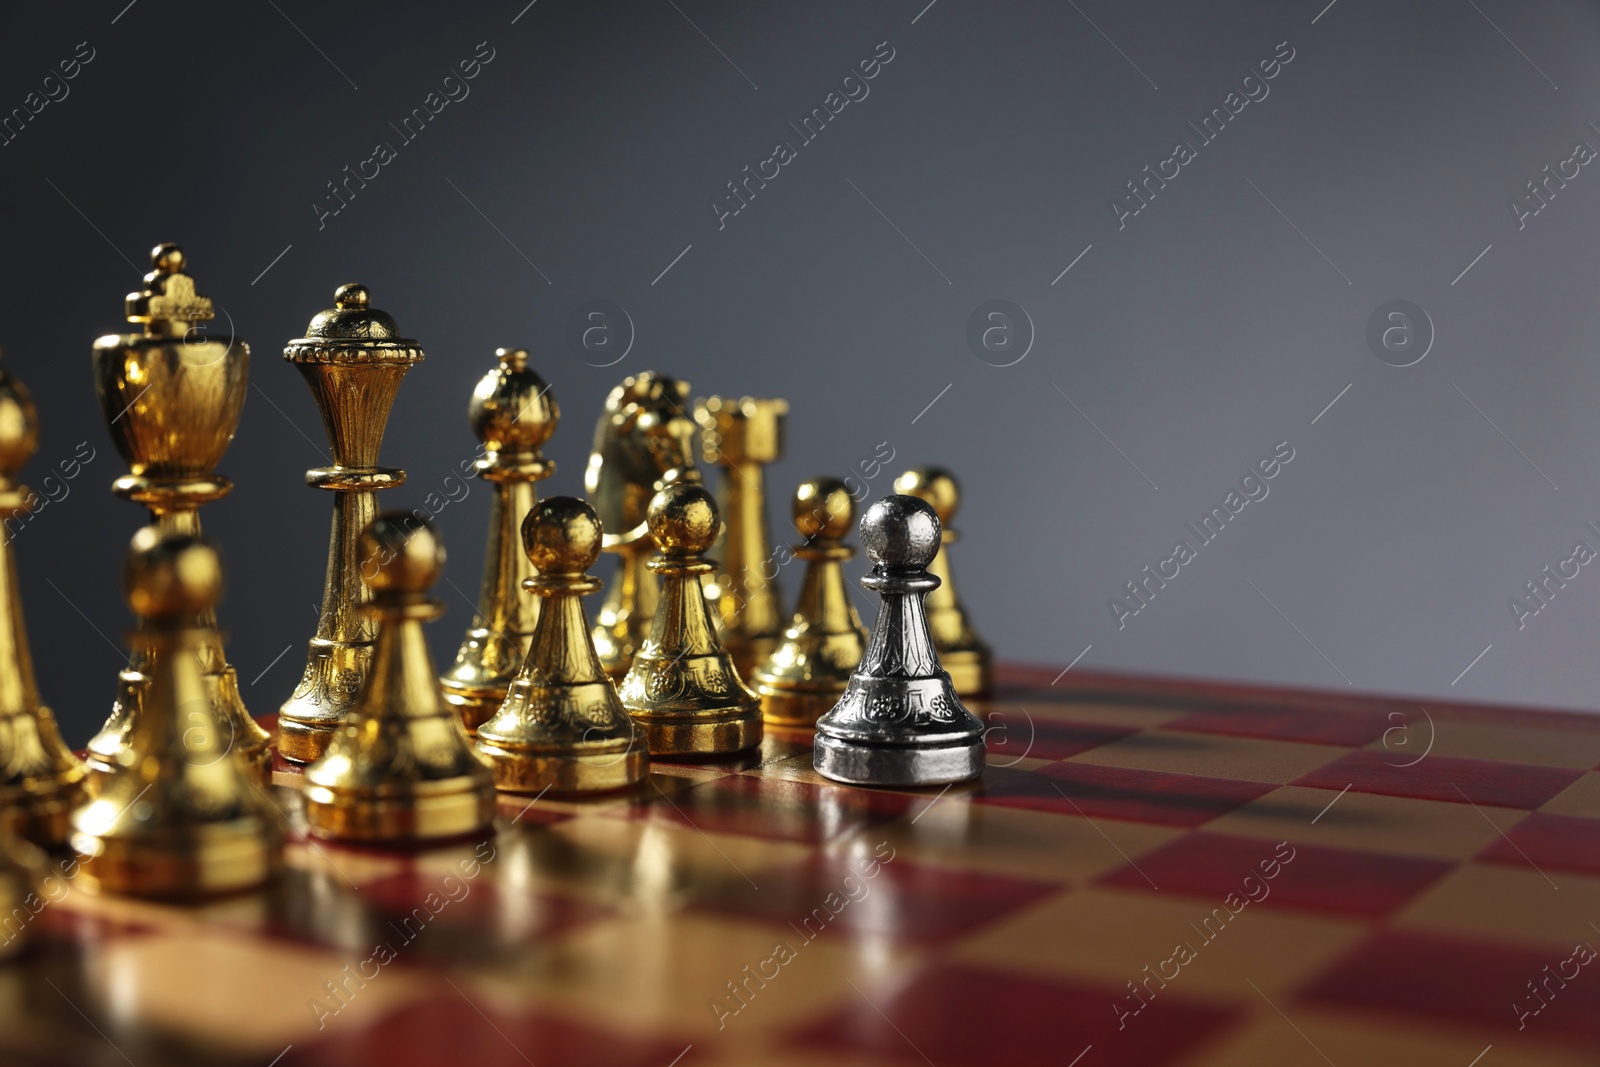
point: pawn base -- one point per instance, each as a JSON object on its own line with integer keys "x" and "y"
{"x": 796, "y": 708}
{"x": 589, "y": 771}
{"x": 45, "y": 819}
{"x": 304, "y": 742}
{"x": 473, "y": 708}
{"x": 971, "y": 671}
{"x": 702, "y": 733}
{"x": 212, "y": 860}
{"x": 863, "y": 763}
{"x": 443, "y": 812}
{"x": 255, "y": 765}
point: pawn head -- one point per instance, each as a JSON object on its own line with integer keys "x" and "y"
{"x": 901, "y": 533}
{"x": 19, "y": 425}
{"x": 683, "y": 518}
{"x": 170, "y": 576}
{"x": 400, "y": 553}
{"x": 512, "y": 407}
{"x": 935, "y": 485}
{"x": 562, "y": 535}
{"x": 823, "y": 507}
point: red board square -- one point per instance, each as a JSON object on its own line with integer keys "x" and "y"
{"x": 970, "y": 1017}
{"x": 1559, "y": 842}
{"x": 1334, "y": 881}
{"x": 900, "y": 901}
{"x": 1463, "y": 982}
{"x": 1118, "y": 793}
{"x": 771, "y": 808}
{"x": 1312, "y": 727}
{"x": 1450, "y": 778}
{"x": 428, "y": 898}
{"x": 1016, "y": 733}
{"x": 450, "y": 1029}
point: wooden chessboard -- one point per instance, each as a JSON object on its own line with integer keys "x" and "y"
{"x": 1149, "y": 873}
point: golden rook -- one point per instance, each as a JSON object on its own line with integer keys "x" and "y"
{"x": 743, "y": 436}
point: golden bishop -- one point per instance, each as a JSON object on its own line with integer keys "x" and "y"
{"x": 513, "y": 414}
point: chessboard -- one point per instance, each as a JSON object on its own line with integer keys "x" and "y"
{"x": 1148, "y": 872}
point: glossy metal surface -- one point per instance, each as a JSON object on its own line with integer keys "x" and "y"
{"x": 643, "y": 441}
{"x": 172, "y": 396}
{"x": 178, "y": 816}
{"x": 562, "y": 727}
{"x": 40, "y": 779}
{"x": 354, "y": 359}
{"x": 965, "y": 655}
{"x": 808, "y": 671}
{"x": 513, "y": 413}
{"x": 683, "y": 689}
{"x": 400, "y": 767}
{"x": 900, "y": 722}
{"x": 742, "y": 436}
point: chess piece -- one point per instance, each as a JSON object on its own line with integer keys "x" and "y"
{"x": 683, "y": 689}
{"x": 513, "y": 414}
{"x": 643, "y": 441}
{"x": 964, "y": 655}
{"x": 353, "y": 358}
{"x": 18, "y": 877}
{"x": 808, "y": 672}
{"x": 401, "y": 767}
{"x": 40, "y": 779}
{"x": 900, "y": 722}
{"x": 562, "y": 727}
{"x": 172, "y": 397}
{"x": 742, "y": 436}
{"x": 176, "y": 816}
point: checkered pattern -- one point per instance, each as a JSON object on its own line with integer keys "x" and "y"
{"x": 1445, "y": 865}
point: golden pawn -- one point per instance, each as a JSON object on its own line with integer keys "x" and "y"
{"x": 172, "y": 396}
{"x": 401, "y": 768}
{"x": 643, "y": 441}
{"x": 742, "y": 436}
{"x": 40, "y": 779}
{"x": 562, "y": 726}
{"x": 807, "y": 674}
{"x": 965, "y": 655}
{"x": 683, "y": 688}
{"x": 354, "y": 359}
{"x": 513, "y": 414}
{"x": 177, "y": 817}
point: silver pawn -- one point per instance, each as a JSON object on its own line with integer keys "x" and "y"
{"x": 900, "y": 722}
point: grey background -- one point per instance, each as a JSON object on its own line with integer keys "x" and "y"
{"x": 980, "y": 165}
